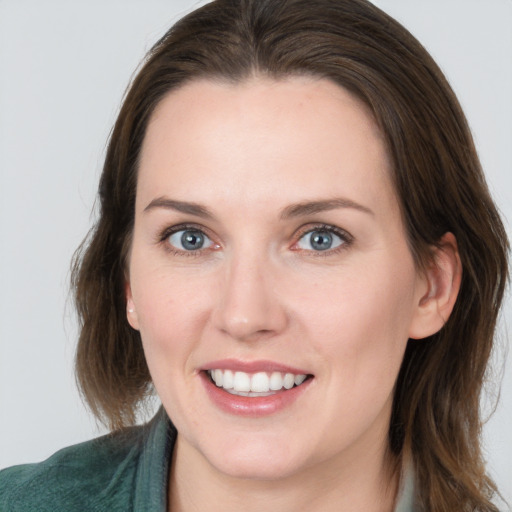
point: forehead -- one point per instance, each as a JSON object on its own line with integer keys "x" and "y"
{"x": 299, "y": 136}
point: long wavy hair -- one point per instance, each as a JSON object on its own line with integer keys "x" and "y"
{"x": 437, "y": 176}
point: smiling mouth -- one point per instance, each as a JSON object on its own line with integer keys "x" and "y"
{"x": 255, "y": 384}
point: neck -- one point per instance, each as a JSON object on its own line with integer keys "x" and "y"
{"x": 366, "y": 483}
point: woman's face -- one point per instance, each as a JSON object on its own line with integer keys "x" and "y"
{"x": 269, "y": 251}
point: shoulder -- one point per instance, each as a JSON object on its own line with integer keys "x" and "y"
{"x": 95, "y": 475}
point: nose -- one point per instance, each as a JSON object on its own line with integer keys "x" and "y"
{"x": 249, "y": 305}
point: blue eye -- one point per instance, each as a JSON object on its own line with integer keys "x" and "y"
{"x": 319, "y": 240}
{"x": 189, "y": 240}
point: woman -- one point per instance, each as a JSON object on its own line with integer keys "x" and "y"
{"x": 297, "y": 248}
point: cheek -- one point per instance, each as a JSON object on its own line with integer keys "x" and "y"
{"x": 171, "y": 309}
{"x": 362, "y": 318}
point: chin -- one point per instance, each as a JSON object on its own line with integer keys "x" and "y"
{"x": 255, "y": 460}
{"x": 264, "y": 470}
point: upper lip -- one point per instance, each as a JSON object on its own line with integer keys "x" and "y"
{"x": 255, "y": 366}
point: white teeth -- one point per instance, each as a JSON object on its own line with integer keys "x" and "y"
{"x": 248, "y": 393}
{"x": 256, "y": 384}
{"x": 259, "y": 382}
{"x": 299, "y": 379}
{"x": 241, "y": 382}
{"x": 217, "y": 377}
{"x": 227, "y": 380}
{"x": 289, "y": 380}
{"x": 276, "y": 381}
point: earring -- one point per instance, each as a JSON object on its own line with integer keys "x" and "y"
{"x": 130, "y": 310}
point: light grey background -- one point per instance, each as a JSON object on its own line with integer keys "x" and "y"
{"x": 64, "y": 66}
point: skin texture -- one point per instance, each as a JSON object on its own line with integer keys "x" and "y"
{"x": 258, "y": 290}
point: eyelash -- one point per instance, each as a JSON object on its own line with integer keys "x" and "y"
{"x": 346, "y": 238}
{"x": 164, "y": 239}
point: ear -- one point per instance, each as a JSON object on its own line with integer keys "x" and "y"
{"x": 441, "y": 281}
{"x": 131, "y": 312}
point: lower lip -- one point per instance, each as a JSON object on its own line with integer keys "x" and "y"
{"x": 252, "y": 406}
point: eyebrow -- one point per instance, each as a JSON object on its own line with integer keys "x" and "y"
{"x": 312, "y": 207}
{"x": 291, "y": 211}
{"x": 179, "y": 206}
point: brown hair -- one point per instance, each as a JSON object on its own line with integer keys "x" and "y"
{"x": 437, "y": 176}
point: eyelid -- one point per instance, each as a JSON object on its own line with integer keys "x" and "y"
{"x": 344, "y": 235}
{"x": 164, "y": 235}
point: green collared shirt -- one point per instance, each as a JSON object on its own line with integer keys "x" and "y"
{"x": 121, "y": 472}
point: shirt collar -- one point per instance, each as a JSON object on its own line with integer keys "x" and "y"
{"x": 406, "y": 494}
{"x": 152, "y": 476}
